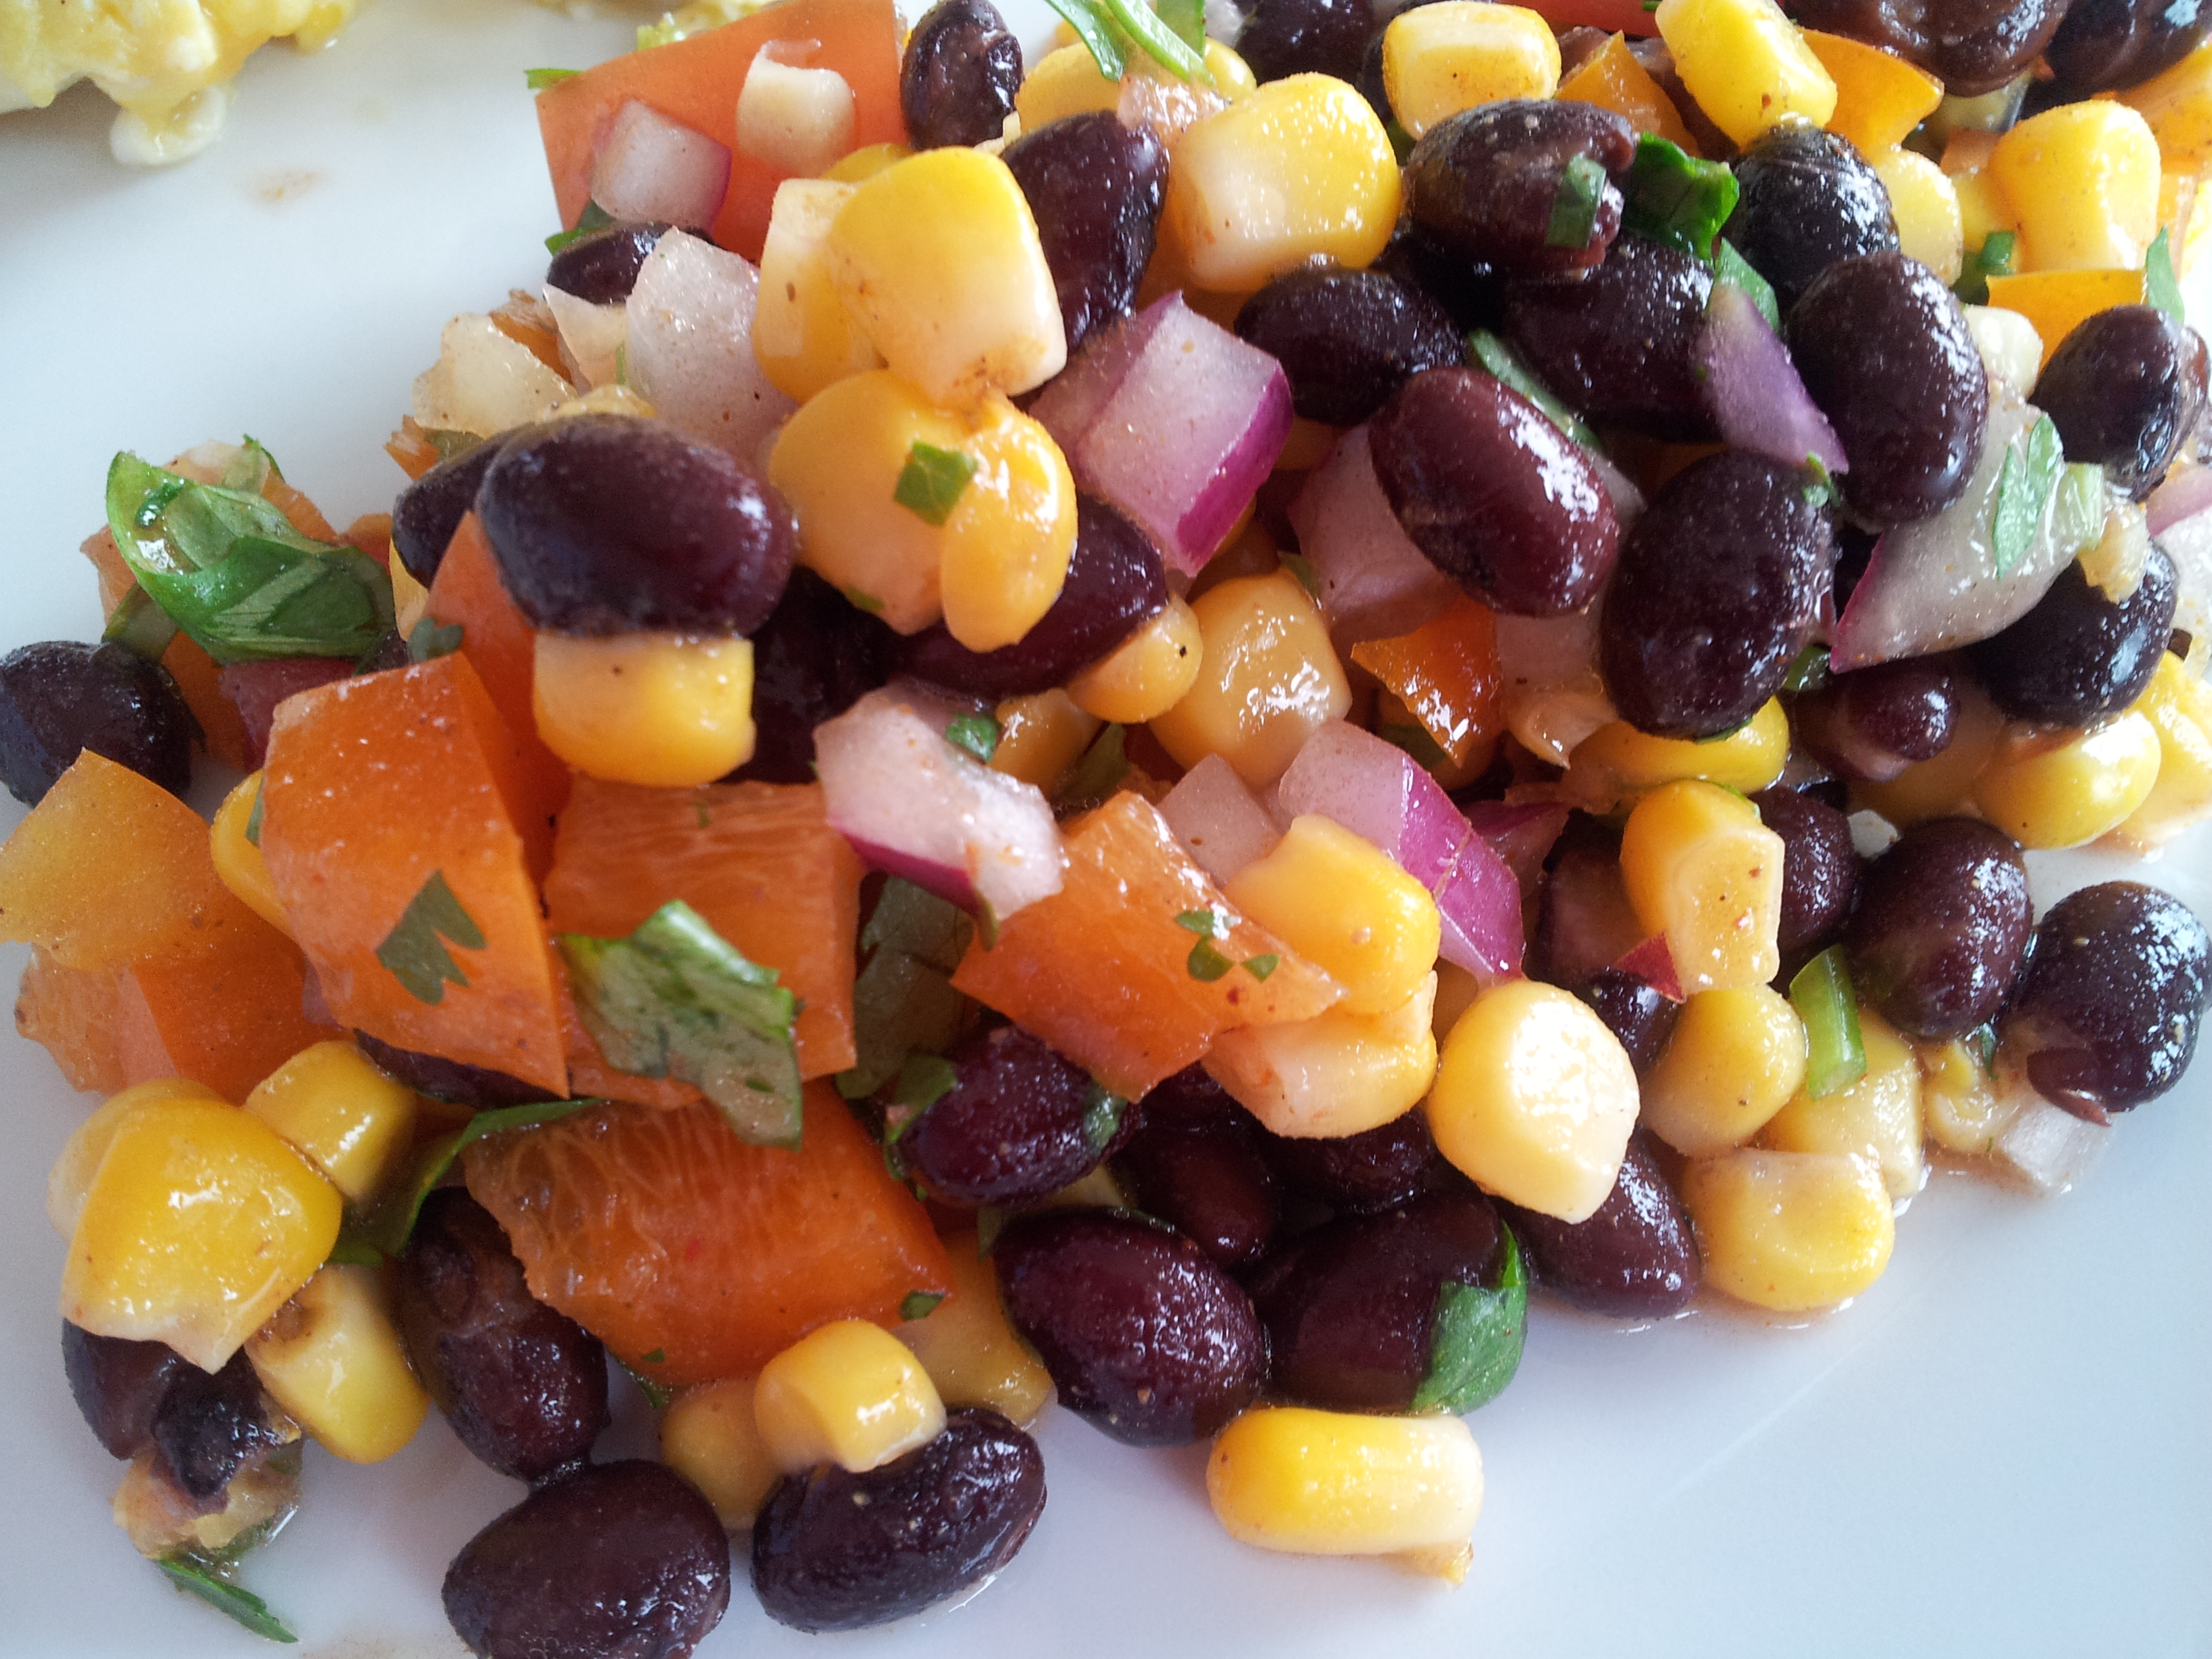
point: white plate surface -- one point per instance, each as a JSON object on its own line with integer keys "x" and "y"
{"x": 2005, "y": 1448}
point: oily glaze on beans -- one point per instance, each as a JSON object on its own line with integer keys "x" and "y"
{"x": 814, "y": 658}
{"x": 1872, "y": 723}
{"x": 1370, "y": 1171}
{"x": 1470, "y": 292}
{"x": 1307, "y": 37}
{"x": 956, "y": 81}
{"x": 207, "y": 1427}
{"x": 2103, "y": 45}
{"x": 602, "y": 268}
{"x": 1634, "y": 1259}
{"x": 1819, "y": 870}
{"x": 2125, "y": 389}
{"x": 1195, "y": 1163}
{"x": 118, "y": 1384}
{"x": 1019, "y": 1122}
{"x": 1806, "y": 199}
{"x": 1142, "y": 1333}
{"x": 625, "y": 1558}
{"x": 430, "y": 509}
{"x": 1972, "y": 47}
{"x": 2078, "y": 655}
{"x": 1497, "y": 496}
{"x": 60, "y": 697}
{"x": 1348, "y": 339}
{"x": 1095, "y": 188}
{"x": 1481, "y": 183}
{"x": 832, "y": 1550}
{"x": 1719, "y": 585}
{"x": 1882, "y": 346}
{"x": 2109, "y": 1010}
{"x": 1942, "y": 928}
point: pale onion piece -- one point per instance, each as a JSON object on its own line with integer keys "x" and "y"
{"x": 591, "y": 336}
{"x": 1218, "y": 820}
{"x": 794, "y": 121}
{"x": 1374, "y": 583}
{"x": 651, "y": 168}
{"x": 485, "y": 382}
{"x": 690, "y": 353}
{"x": 2189, "y": 545}
{"x": 1553, "y": 694}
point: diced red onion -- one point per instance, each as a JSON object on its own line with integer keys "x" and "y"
{"x": 1218, "y": 820}
{"x": 1757, "y": 399}
{"x": 1520, "y": 832}
{"x": 913, "y": 804}
{"x": 2046, "y": 1145}
{"x": 1175, "y": 421}
{"x": 690, "y": 351}
{"x": 2185, "y": 493}
{"x": 1653, "y": 962}
{"x": 254, "y": 689}
{"x": 650, "y": 167}
{"x": 1374, "y": 582}
{"x": 1480, "y": 905}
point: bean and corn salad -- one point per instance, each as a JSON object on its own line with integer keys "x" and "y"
{"x": 1158, "y": 727}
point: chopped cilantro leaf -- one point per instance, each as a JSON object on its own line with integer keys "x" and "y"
{"x": 241, "y": 1604}
{"x": 930, "y": 483}
{"x": 593, "y": 217}
{"x": 924, "y": 1080}
{"x": 1732, "y": 268}
{"x": 919, "y": 1304}
{"x": 431, "y": 639}
{"x": 978, "y": 734}
{"x": 1206, "y": 962}
{"x": 2024, "y": 484}
{"x": 538, "y": 79}
{"x": 1262, "y": 965}
{"x": 1207, "y": 924}
{"x": 1676, "y": 199}
{"x": 859, "y": 601}
{"x": 1103, "y": 1112}
{"x": 2161, "y": 288}
{"x": 1575, "y": 204}
{"x": 383, "y": 1231}
{"x": 414, "y": 949}
{"x": 1498, "y": 360}
{"x": 254, "y": 818}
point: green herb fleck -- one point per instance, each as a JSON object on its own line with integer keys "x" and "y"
{"x": 859, "y": 601}
{"x": 1479, "y": 1335}
{"x": 919, "y": 1304}
{"x": 2025, "y": 485}
{"x": 903, "y": 1002}
{"x": 1733, "y": 269}
{"x": 1994, "y": 258}
{"x": 241, "y": 1604}
{"x": 430, "y": 640}
{"x": 930, "y": 483}
{"x": 1206, "y": 962}
{"x": 451, "y": 443}
{"x": 1983, "y": 1040}
{"x": 1186, "y": 19}
{"x": 1498, "y": 359}
{"x": 1676, "y": 199}
{"x": 655, "y": 1395}
{"x": 705, "y": 818}
{"x": 1262, "y": 965}
{"x": 1103, "y": 1112}
{"x": 139, "y": 626}
{"x": 1099, "y": 773}
{"x": 250, "y": 470}
{"x": 2160, "y": 286}
{"x": 353, "y": 1252}
{"x": 922, "y": 1081}
{"x": 414, "y": 949}
{"x": 675, "y": 999}
{"x": 1097, "y": 33}
{"x": 978, "y": 734}
{"x": 1821, "y": 993}
{"x": 1808, "y": 671}
{"x": 1416, "y": 740}
{"x": 657, "y": 1356}
{"x": 1575, "y": 203}
{"x": 990, "y": 1222}
{"x": 1207, "y": 924}
{"x": 593, "y": 217}
{"x": 1303, "y": 568}
{"x": 1820, "y": 488}
{"x": 383, "y": 1229}
{"x": 538, "y": 79}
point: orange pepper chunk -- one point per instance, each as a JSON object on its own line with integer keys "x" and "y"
{"x": 410, "y": 446}
{"x": 2059, "y": 302}
{"x": 1446, "y": 672}
{"x": 222, "y": 729}
{"x": 73, "y": 1014}
{"x": 1880, "y": 97}
{"x": 389, "y": 803}
{"x": 226, "y": 1017}
{"x": 1612, "y": 79}
{"x": 1105, "y": 972}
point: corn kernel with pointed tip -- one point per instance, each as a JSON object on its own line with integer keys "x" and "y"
{"x": 1926, "y": 204}
{"x": 1147, "y": 674}
{"x": 1617, "y": 757}
{"x": 666, "y": 710}
{"x": 1335, "y": 1074}
{"x": 1041, "y": 736}
{"x": 1267, "y": 678}
{"x": 1736, "y": 1059}
{"x": 331, "y": 1101}
{"x": 847, "y": 1393}
{"x": 2179, "y": 705}
{"x": 1309, "y": 1482}
{"x": 70, "y": 1178}
{"x": 2084, "y": 180}
{"x": 333, "y": 1357}
{"x": 969, "y": 1350}
{"x": 2050, "y": 789}
{"x": 1878, "y": 1117}
{"x": 803, "y": 335}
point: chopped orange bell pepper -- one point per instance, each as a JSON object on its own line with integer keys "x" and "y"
{"x": 1446, "y": 672}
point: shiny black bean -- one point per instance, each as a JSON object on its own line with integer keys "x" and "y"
{"x": 1195, "y": 1163}
{"x": 59, "y": 698}
{"x": 1584, "y": 923}
{"x": 1619, "y": 345}
{"x": 1819, "y": 870}
{"x": 1882, "y": 346}
{"x": 1719, "y": 585}
{"x": 1307, "y": 37}
{"x": 2104, "y": 45}
{"x": 1806, "y": 199}
{"x": 1020, "y": 1121}
{"x": 2109, "y": 1009}
{"x": 1351, "y": 1307}
{"x": 1942, "y": 928}
{"x": 1872, "y": 723}
{"x": 1142, "y": 1334}
{"x": 475, "y": 1087}
{"x": 2125, "y": 389}
{"x": 956, "y": 81}
{"x": 1114, "y": 583}
{"x": 118, "y": 1384}
{"x": 525, "y": 1388}
{"x": 836, "y": 1551}
{"x": 2078, "y": 655}
{"x": 602, "y": 266}
{"x": 1370, "y": 1171}
{"x": 1095, "y": 188}
{"x": 1482, "y": 183}
{"x": 206, "y": 1427}
{"x": 1634, "y": 1259}
{"x": 814, "y": 658}
{"x": 1348, "y": 338}
{"x": 1468, "y": 290}
{"x": 1633, "y": 1011}
{"x": 1497, "y": 496}
{"x": 608, "y": 525}
{"x": 1972, "y": 47}
{"x": 622, "y": 1561}
{"x": 430, "y": 509}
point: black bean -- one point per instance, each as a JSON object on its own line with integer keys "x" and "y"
{"x": 2125, "y": 389}
{"x": 2105, "y": 44}
{"x": 1370, "y": 1171}
{"x": 206, "y": 1426}
{"x": 956, "y": 81}
{"x": 1619, "y": 345}
{"x": 1468, "y": 290}
{"x": 1972, "y": 47}
{"x": 1348, "y": 338}
{"x": 1482, "y": 183}
{"x": 475, "y": 1087}
{"x": 1142, "y": 1334}
{"x": 1719, "y": 585}
{"x": 1351, "y": 1307}
{"x": 59, "y": 698}
{"x": 525, "y": 1388}
{"x": 1819, "y": 870}
{"x": 2078, "y": 655}
{"x": 1942, "y": 928}
{"x": 1307, "y": 37}
{"x": 1115, "y": 583}
{"x": 814, "y": 658}
{"x": 1882, "y": 346}
{"x": 836, "y": 1551}
{"x": 602, "y": 266}
{"x": 1020, "y": 1121}
{"x": 1095, "y": 189}
{"x": 1806, "y": 199}
{"x": 1584, "y": 923}
{"x": 622, "y": 1561}
{"x": 430, "y": 509}
{"x": 1633, "y": 1011}
{"x": 1634, "y": 1259}
{"x": 118, "y": 1384}
{"x": 1497, "y": 496}
{"x": 606, "y": 524}
{"x": 1872, "y": 723}
{"x": 1195, "y": 1163}
{"x": 2109, "y": 1009}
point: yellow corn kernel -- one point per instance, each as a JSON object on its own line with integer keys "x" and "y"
{"x": 1451, "y": 55}
{"x": 1929, "y": 228}
{"x": 1335, "y": 1074}
{"x": 333, "y": 1357}
{"x": 71, "y": 1176}
{"x": 1734, "y": 1062}
{"x": 1958, "y": 1102}
{"x": 1009, "y": 536}
{"x": 1789, "y": 1231}
{"x": 1880, "y": 97}
{"x": 709, "y": 1436}
{"x": 238, "y": 861}
{"x": 2083, "y": 178}
{"x": 1041, "y": 736}
{"x": 1534, "y": 1099}
{"x": 670, "y": 710}
{"x": 331, "y": 1103}
{"x": 2179, "y": 706}
{"x": 2178, "y": 105}
{"x": 1878, "y": 1117}
{"x": 1338, "y": 900}
{"x": 1311, "y": 1482}
{"x": 1233, "y": 75}
{"x": 970, "y": 1351}
{"x": 1148, "y": 673}
{"x": 1745, "y": 64}
{"x": 2048, "y": 789}
{"x": 2058, "y": 302}
{"x": 1944, "y": 783}
{"x": 199, "y": 1223}
{"x": 1982, "y": 209}
{"x": 1065, "y": 81}
{"x": 937, "y": 257}
{"x": 1267, "y": 678}
{"x": 1299, "y": 169}
{"x": 802, "y": 337}
{"x": 1618, "y": 758}
{"x": 856, "y": 166}
{"x": 847, "y": 1393}
{"x": 1701, "y": 869}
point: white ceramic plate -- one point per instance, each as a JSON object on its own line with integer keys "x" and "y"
{"x": 2004, "y": 1448}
